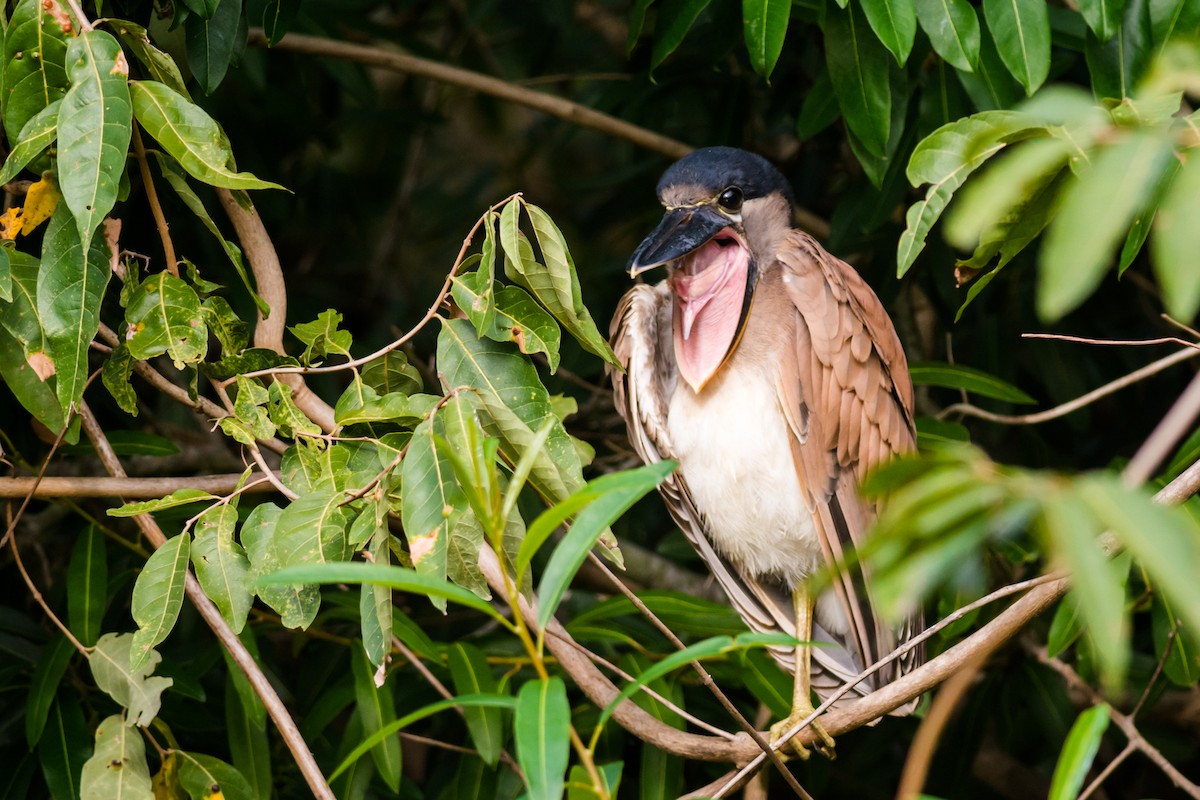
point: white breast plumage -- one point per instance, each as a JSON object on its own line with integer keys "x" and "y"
{"x": 732, "y": 443}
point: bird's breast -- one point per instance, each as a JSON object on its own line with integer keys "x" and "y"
{"x": 734, "y": 452}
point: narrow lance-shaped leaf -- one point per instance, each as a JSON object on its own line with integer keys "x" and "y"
{"x": 38, "y": 134}
{"x": 675, "y": 19}
{"x": 87, "y": 586}
{"x": 94, "y": 127}
{"x": 118, "y": 767}
{"x": 1021, "y": 29}
{"x": 953, "y": 30}
{"x": 375, "y": 602}
{"x": 1116, "y": 66}
{"x": 958, "y": 376}
{"x": 65, "y": 747}
{"x": 858, "y": 66}
{"x": 472, "y": 675}
{"x": 211, "y": 43}
{"x": 51, "y": 666}
{"x": 765, "y": 24}
{"x": 1176, "y": 240}
{"x": 190, "y": 135}
{"x": 377, "y": 709}
{"x": 432, "y": 501}
{"x": 158, "y": 596}
{"x": 895, "y": 23}
{"x": 542, "y": 723}
{"x": 1102, "y": 16}
{"x": 1078, "y": 753}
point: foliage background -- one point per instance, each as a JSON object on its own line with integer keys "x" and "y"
{"x": 387, "y": 172}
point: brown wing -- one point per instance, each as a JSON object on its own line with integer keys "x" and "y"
{"x": 641, "y": 339}
{"x": 849, "y": 399}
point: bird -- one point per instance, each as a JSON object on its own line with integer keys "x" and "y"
{"x": 770, "y": 371}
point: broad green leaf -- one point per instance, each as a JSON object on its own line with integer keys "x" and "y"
{"x": 70, "y": 288}
{"x": 609, "y": 496}
{"x": 31, "y": 83}
{"x": 1095, "y": 214}
{"x": 297, "y": 604}
{"x": 990, "y": 86}
{"x": 432, "y": 501}
{"x": 95, "y": 122}
{"x": 895, "y": 23}
{"x": 277, "y": 18}
{"x": 765, "y": 24}
{"x": 462, "y": 551}
{"x": 1172, "y": 18}
{"x": 515, "y": 317}
{"x": 161, "y": 66}
{"x": 47, "y": 675}
{"x": 858, "y": 66}
{"x": 132, "y": 687}
{"x": 179, "y": 497}
{"x": 221, "y": 564}
{"x": 288, "y": 418}
{"x": 944, "y": 159}
{"x": 248, "y": 744}
{"x": 1021, "y": 29}
{"x": 377, "y": 710}
{"x": 675, "y": 19}
{"x": 158, "y": 597}
{"x": 65, "y": 748}
{"x": 87, "y": 586}
{"x": 249, "y": 411}
{"x": 322, "y": 336}
{"x": 1117, "y": 65}
{"x": 953, "y": 30}
{"x": 164, "y": 317}
{"x": 312, "y": 530}
{"x": 38, "y": 134}
{"x": 203, "y": 8}
{"x": 375, "y": 602}
{"x": 5, "y": 276}
{"x": 465, "y": 701}
{"x": 1078, "y": 753}
{"x": 210, "y": 778}
{"x": 231, "y": 331}
{"x": 361, "y": 403}
{"x": 189, "y": 135}
{"x": 1175, "y": 239}
{"x": 1102, "y": 16}
{"x": 1182, "y": 664}
{"x": 117, "y": 770}
{"x": 212, "y": 42}
{"x": 391, "y": 372}
{"x": 541, "y": 725}
{"x": 958, "y": 376}
{"x": 472, "y": 675}
{"x": 35, "y": 394}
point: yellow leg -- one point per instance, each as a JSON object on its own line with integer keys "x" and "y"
{"x": 802, "y": 705}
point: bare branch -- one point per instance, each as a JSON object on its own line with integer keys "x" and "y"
{"x": 920, "y": 754}
{"x": 156, "y": 211}
{"x": 1174, "y": 426}
{"x": 128, "y": 488}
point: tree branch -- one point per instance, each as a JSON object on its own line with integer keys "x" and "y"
{"x": 128, "y": 488}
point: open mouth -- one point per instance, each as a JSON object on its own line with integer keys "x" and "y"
{"x": 706, "y": 273}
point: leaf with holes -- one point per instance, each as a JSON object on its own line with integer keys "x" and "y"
{"x": 164, "y": 316}
{"x": 131, "y": 686}
{"x": 211, "y": 778}
{"x": 297, "y": 604}
{"x": 117, "y": 768}
{"x": 35, "y": 52}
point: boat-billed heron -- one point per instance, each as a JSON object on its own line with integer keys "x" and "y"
{"x": 770, "y": 371}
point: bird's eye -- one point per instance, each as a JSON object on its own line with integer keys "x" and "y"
{"x": 730, "y": 200}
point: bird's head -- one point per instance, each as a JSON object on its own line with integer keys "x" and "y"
{"x": 726, "y": 211}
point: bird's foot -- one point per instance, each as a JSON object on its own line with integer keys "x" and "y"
{"x": 824, "y": 744}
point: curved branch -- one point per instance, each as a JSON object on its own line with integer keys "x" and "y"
{"x": 553, "y": 105}
{"x": 268, "y": 277}
{"x": 128, "y": 488}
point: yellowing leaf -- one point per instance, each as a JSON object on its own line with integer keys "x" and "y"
{"x": 10, "y": 223}
{"x": 40, "y": 202}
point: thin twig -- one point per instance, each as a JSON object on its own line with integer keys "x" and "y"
{"x": 924, "y": 744}
{"x": 969, "y": 410}
{"x": 1062, "y": 337}
{"x": 229, "y": 640}
{"x": 1130, "y": 749}
{"x": 129, "y": 488}
{"x": 33, "y": 590}
{"x": 269, "y": 473}
{"x": 164, "y": 233}
{"x": 1174, "y": 426}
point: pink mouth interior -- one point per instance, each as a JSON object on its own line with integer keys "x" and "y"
{"x": 709, "y": 287}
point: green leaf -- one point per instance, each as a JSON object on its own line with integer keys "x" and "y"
{"x": 765, "y": 24}
{"x": 116, "y": 375}
{"x": 297, "y": 604}
{"x": 251, "y": 360}
{"x": 820, "y": 108}
{"x": 953, "y": 30}
{"x": 277, "y": 18}
{"x": 432, "y": 501}
{"x": 1117, "y": 65}
{"x": 322, "y": 336}
{"x": 164, "y": 316}
{"x": 712, "y": 646}
{"x": 390, "y": 373}
{"x": 179, "y": 497}
{"x": 160, "y": 65}
{"x": 608, "y": 497}
{"x": 210, "y": 778}
{"x": 213, "y": 42}
{"x": 541, "y": 725}
{"x": 132, "y": 687}
{"x": 87, "y": 586}
{"x": 118, "y": 767}
{"x": 1078, "y": 753}
{"x": 35, "y": 394}
{"x": 377, "y": 710}
{"x": 398, "y": 578}
{"x": 70, "y": 288}
{"x": 675, "y": 19}
{"x": 158, "y": 597}
{"x": 190, "y": 136}
{"x": 95, "y": 122}
{"x": 944, "y": 159}
{"x": 47, "y": 676}
{"x": 1066, "y": 627}
{"x": 248, "y": 743}
{"x": 515, "y": 317}
{"x": 33, "y": 82}
{"x": 1021, "y": 29}
{"x": 895, "y": 23}
{"x": 312, "y": 530}
{"x": 958, "y": 376}
{"x": 1182, "y": 664}
{"x": 858, "y": 66}
{"x": 1095, "y": 214}
{"x": 203, "y": 8}
{"x": 65, "y": 748}
{"x": 1175, "y": 241}
{"x": 1102, "y": 16}
{"x": 637, "y": 20}
{"x": 1144, "y": 219}
{"x": 375, "y": 602}
{"x": 38, "y": 134}
{"x": 472, "y": 675}
{"x": 990, "y": 86}
{"x": 221, "y": 564}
